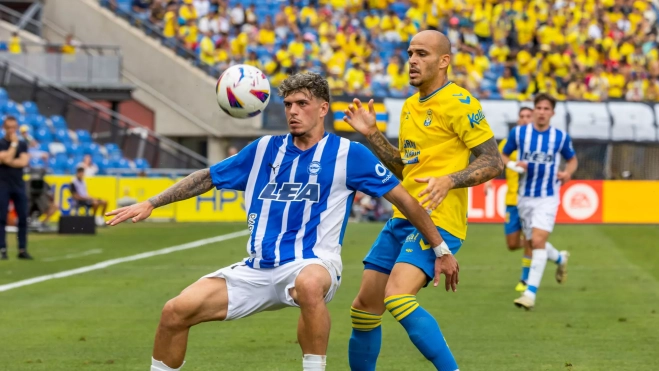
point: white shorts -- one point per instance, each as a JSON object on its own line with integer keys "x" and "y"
{"x": 257, "y": 290}
{"x": 537, "y": 212}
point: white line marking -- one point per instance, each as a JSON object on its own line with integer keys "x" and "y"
{"x": 107, "y": 263}
{"x": 73, "y": 256}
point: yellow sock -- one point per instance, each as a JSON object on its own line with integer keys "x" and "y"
{"x": 400, "y": 306}
{"x": 364, "y": 321}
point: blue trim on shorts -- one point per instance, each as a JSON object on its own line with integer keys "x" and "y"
{"x": 400, "y": 242}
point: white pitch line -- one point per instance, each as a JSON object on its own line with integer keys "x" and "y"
{"x": 107, "y": 263}
{"x": 73, "y": 256}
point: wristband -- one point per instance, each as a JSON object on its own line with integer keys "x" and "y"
{"x": 512, "y": 165}
{"x": 442, "y": 250}
{"x": 14, "y": 144}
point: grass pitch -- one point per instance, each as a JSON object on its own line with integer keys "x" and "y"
{"x": 604, "y": 318}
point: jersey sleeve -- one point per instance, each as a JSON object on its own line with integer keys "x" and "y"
{"x": 469, "y": 122}
{"x": 511, "y": 144}
{"x": 567, "y": 151}
{"x": 232, "y": 172}
{"x": 366, "y": 174}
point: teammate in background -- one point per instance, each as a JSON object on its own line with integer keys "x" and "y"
{"x": 538, "y": 146}
{"x": 512, "y": 224}
{"x": 440, "y": 127}
{"x": 298, "y": 189}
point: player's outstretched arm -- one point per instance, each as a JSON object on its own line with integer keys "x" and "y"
{"x": 446, "y": 264}
{"x": 486, "y": 166}
{"x": 364, "y": 121}
{"x": 193, "y": 185}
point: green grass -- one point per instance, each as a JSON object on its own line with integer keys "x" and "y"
{"x": 604, "y": 318}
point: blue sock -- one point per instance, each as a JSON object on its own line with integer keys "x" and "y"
{"x": 423, "y": 330}
{"x": 365, "y": 341}
{"x": 526, "y": 267}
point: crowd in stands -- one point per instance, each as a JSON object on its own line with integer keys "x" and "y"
{"x": 589, "y": 50}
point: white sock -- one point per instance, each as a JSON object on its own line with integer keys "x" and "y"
{"x": 552, "y": 253}
{"x": 159, "y": 366}
{"x": 312, "y": 362}
{"x": 538, "y": 263}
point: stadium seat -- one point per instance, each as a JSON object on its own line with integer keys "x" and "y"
{"x": 56, "y": 148}
{"x": 11, "y": 108}
{"x": 62, "y": 135}
{"x": 58, "y": 122}
{"x": 141, "y": 163}
{"x": 38, "y": 121}
{"x": 36, "y": 162}
{"x": 90, "y": 148}
{"x": 43, "y": 135}
{"x": 75, "y": 150}
{"x": 83, "y": 136}
{"x": 30, "y": 108}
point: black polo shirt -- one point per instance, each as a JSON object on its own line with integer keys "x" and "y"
{"x": 10, "y": 176}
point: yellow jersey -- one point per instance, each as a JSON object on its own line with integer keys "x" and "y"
{"x": 436, "y": 135}
{"x": 512, "y": 178}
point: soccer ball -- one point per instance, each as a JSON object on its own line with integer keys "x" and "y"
{"x": 242, "y": 91}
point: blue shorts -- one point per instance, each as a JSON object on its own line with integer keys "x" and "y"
{"x": 513, "y": 223}
{"x": 400, "y": 242}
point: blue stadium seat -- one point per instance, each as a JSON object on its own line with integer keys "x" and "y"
{"x": 121, "y": 163}
{"x": 44, "y": 147}
{"x": 30, "y": 108}
{"x": 43, "y": 136}
{"x": 22, "y": 120}
{"x": 11, "y": 108}
{"x": 62, "y": 136}
{"x": 38, "y": 121}
{"x": 141, "y": 163}
{"x": 84, "y": 136}
{"x": 97, "y": 158}
{"x": 75, "y": 150}
{"x": 58, "y": 122}
{"x": 3, "y": 94}
{"x": 90, "y": 148}
{"x": 36, "y": 162}
{"x": 71, "y": 164}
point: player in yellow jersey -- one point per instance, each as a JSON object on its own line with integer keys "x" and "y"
{"x": 513, "y": 224}
{"x": 440, "y": 127}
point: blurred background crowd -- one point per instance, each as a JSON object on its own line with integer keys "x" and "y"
{"x": 590, "y": 50}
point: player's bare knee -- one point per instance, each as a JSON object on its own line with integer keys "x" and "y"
{"x": 369, "y": 303}
{"x": 538, "y": 242}
{"x": 311, "y": 285}
{"x": 174, "y": 316}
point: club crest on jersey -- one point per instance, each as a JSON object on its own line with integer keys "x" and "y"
{"x": 314, "y": 168}
{"x": 291, "y": 192}
{"x": 428, "y": 119}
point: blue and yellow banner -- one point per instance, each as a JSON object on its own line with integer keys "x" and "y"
{"x": 338, "y": 106}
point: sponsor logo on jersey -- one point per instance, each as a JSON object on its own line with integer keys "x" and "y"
{"x": 539, "y": 157}
{"x": 476, "y": 118}
{"x": 428, "y": 119}
{"x": 285, "y": 192}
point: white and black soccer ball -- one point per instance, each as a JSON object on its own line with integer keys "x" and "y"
{"x": 243, "y": 91}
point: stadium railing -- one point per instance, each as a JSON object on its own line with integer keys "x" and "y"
{"x": 155, "y": 32}
{"x": 104, "y": 125}
{"x": 91, "y": 64}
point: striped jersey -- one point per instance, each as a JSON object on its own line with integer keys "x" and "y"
{"x": 298, "y": 202}
{"x": 540, "y": 149}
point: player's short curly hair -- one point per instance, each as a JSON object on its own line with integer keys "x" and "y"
{"x": 305, "y": 82}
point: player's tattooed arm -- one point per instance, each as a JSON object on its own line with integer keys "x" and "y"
{"x": 193, "y": 185}
{"x": 387, "y": 153}
{"x": 487, "y": 165}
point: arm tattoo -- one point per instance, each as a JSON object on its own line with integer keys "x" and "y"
{"x": 487, "y": 165}
{"x": 194, "y": 184}
{"x": 387, "y": 153}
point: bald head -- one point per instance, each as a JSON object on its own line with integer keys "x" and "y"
{"x": 429, "y": 56}
{"x": 433, "y": 39}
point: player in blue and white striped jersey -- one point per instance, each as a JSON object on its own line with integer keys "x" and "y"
{"x": 539, "y": 146}
{"x": 298, "y": 194}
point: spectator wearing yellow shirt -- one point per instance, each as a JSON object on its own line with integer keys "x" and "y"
{"x": 355, "y": 78}
{"x": 652, "y": 93}
{"x": 337, "y": 84}
{"x": 576, "y": 89}
{"x": 187, "y": 11}
{"x": 283, "y": 57}
{"x": 400, "y": 81}
{"x": 266, "y": 34}
{"x": 15, "y": 44}
{"x": 207, "y": 49}
{"x": 525, "y": 28}
{"x": 69, "y": 46}
{"x": 188, "y": 33}
{"x": 372, "y": 20}
{"x": 253, "y": 60}
{"x": 296, "y": 48}
{"x": 616, "y": 82}
{"x": 507, "y": 85}
{"x": 406, "y": 29}
{"x": 481, "y": 63}
{"x": 636, "y": 88}
{"x": 170, "y": 24}
{"x": 499, "y": 52}
{"x": 526, "y": 65}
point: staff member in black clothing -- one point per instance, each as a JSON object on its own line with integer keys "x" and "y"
{"x": 13, "y": 158}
